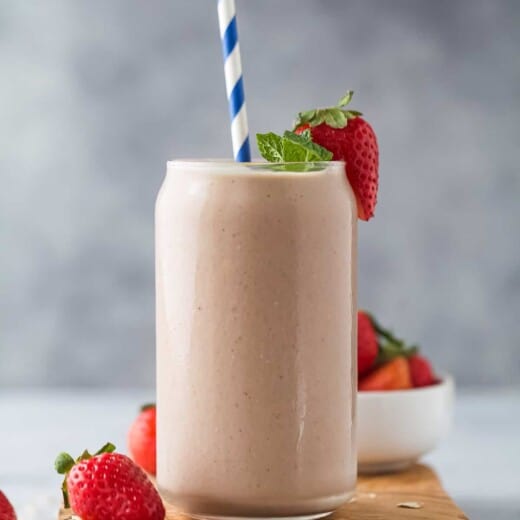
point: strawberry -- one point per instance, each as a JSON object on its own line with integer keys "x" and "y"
{"x": 108, "y": 486}
{"x": 398, "y": 365}
{"x": 394, "y": 375}
{"x": 6, "y": 509}
{"x": 141, "y": 439}
{"x": 421, "y": 371}
{"x": 351, "y": 139}
{"x": 367, "y": 343}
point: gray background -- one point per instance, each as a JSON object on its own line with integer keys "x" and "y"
{"x": 95, "y": 96}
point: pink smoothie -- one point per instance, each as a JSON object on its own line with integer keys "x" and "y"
{"x": 256, "y": 339}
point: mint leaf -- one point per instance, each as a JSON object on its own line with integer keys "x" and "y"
{"x": 303, "y": 137}
{"x": 291, "y": 147}
{"x": 270, "y": 147}
{"x": 300, "y": 148}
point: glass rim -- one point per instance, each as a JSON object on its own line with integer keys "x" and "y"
{"x": 230, "y": 163}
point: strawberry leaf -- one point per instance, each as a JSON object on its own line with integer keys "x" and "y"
{"x": 305, "y": 117}
{"x": 84, "y": 456}
{"x": 385, "y": 333}
{"x": 390, "y": 346}
{"x": 63, "y": 463}
{"x": 389, "y": 351}
{"x": 335, "y": 117}
{"x": 106, "y": 448}
{"x": 351, "y": 114}
{"x": 65, "y": 494}
{"x": 345, "y": 100}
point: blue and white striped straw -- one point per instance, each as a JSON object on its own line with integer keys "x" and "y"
{"x": 234, "y": 82}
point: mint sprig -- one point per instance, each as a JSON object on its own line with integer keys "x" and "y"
{"x": 291, "y": 147}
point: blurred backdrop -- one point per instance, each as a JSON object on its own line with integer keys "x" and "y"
{"x": 95, "y": 96}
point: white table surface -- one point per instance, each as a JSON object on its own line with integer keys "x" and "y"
{"x": 479, "y": 463}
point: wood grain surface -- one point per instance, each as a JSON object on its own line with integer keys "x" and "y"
{"x": 378, "y": 498}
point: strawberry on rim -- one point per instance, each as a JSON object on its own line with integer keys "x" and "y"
{"x": 350, "y": 138}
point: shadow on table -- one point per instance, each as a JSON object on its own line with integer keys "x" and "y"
{"x": 490, "y": 509}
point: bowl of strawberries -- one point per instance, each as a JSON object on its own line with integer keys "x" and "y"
{"x": 404, "y": 408}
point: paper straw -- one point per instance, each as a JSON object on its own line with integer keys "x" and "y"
{"x": 234, "y": 82}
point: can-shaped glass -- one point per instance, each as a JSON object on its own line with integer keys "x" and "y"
{"x": 256, "y": 338}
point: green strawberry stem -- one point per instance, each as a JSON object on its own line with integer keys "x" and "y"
{"x": 335, "y": 117}
{"x": 64, "y": 463}
{"x": 106, "y": 448}
{"x": 390, "y": 346}
{"x": 345, "y": 100}
{"x": 385, "y": 333}
{"x": 389, "y": 351}
{"x": 146, "y": 406}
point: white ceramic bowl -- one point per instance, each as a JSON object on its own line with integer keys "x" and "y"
{"x": 396, "y": 427}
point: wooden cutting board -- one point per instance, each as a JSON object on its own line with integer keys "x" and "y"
{"x": 378, "y": 498}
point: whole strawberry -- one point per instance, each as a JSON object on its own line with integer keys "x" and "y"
{"x": 142, "y": 440}
{"x": 6, "y": 509}
{"x": 351, "y": 139}
{"x": 108, "y": 486}
{"x": 367, "y": 343}
{"x": 421, "y": 371}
